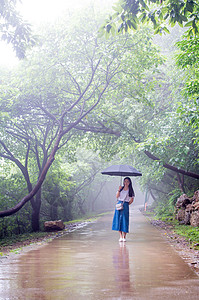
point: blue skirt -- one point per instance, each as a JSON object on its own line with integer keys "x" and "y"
{"x": 121, "y": 218}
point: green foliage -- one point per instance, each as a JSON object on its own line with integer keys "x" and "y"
{"x": 174, "y": 195}
{"x": 128, "y": 14}
{"x": 187, "y": 59}
{"x": 164, "y": 212}
{"x": 190, "y": 233}
{"x": 56, "y": 203}
{"x": 164, "y": 209}
{"x": 12, "y": 189}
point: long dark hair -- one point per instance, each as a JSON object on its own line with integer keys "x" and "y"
{"x": 131, "y": 191}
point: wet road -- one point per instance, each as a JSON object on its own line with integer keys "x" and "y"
{"x": 90, "y": 263}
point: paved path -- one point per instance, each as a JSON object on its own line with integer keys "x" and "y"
{"x": 90, "y": 263}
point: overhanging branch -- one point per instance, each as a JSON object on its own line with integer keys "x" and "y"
{"x": 170, "y": 167}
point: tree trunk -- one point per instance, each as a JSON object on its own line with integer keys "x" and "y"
{"x": 181, "y": 183}
{"x": 152, "y": 195}
{"x": 36, "y": 212}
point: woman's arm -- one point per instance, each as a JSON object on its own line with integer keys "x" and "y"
{"x": 118, "y": 192}
{"x": 131, "y": 200}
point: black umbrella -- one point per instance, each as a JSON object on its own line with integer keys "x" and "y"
{"x": 121, "y": 170}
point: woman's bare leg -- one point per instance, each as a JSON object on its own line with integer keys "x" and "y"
{"x": 121, "y": 236}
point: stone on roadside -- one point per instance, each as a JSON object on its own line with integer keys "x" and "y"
{"x": 183, "y": 201}
{"x": 54, "y": 225}
{"x": 181, "y": 215}
{"x": 196, "y": 196}
{"x": 194, "y": 219}
{"x": 187, "y": 209}
{"x": 195, "y": 206}
{"x": 187, "y": 215}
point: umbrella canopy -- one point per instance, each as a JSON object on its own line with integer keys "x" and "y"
{"x": 121, "y": 170}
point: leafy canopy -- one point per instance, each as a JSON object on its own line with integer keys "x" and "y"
{"x": 161, "y": 13}
{"x": 187, "y": 59}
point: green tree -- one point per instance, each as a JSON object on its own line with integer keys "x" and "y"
{"x": 14, "y": 29}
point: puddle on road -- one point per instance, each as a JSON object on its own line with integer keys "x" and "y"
{"x": 90, "y": 263}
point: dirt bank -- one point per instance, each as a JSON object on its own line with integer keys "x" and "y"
{"x": 179, "y": 243}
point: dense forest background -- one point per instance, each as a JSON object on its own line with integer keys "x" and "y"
{"x": 79, "y": 101}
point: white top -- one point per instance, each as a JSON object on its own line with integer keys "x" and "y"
{"x": 124, "y": 196}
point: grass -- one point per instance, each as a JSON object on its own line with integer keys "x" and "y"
{"x": 20, "y": 238}
{"x": 190, "y": 233}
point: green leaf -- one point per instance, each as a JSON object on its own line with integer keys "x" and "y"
{"x": 188, "y": 24}
{"x": 117, "y": 8}
{"x": 183, "y": 18}
{"x": 166, "y": 29}
{"x": 144, "y": 5}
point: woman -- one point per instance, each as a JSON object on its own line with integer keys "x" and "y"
{"x": 126, "y": 195}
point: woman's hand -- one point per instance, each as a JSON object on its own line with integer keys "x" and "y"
{"x": 120, "y": 187}
{"x": 118, "y": 192}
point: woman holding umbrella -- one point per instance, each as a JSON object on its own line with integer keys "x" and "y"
{"x": 125, "y": 195}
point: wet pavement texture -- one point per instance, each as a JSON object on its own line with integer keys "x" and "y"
{"x": 90, "y": 263}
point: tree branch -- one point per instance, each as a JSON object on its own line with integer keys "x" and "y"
{"x": 170, "y": 167}
{"x": 98, "y": 130}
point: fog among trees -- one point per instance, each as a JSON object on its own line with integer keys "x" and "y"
{"x": 82, "y": 100}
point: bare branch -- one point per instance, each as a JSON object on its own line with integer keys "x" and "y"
{"x": 52, "y": 117}
{"x": 87, "y": 87}
{"x": 73, "y": 78}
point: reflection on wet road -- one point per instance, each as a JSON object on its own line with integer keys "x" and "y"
{"x": 90, "y": 263}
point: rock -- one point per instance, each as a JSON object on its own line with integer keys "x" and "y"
{"x": 54, "y": 225}
{"x": 189, "y": 207}
{"x": 181, "y": 215}
{"x": 196, "y": 196}
{"x": 183, "y": 201}
{"x": 195, "y": 206}
{"x": 187, "y": 214}
{"x": 194, "y": 219}
{"x": 185, "y": 207}
{"x": 187, "y": 217}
